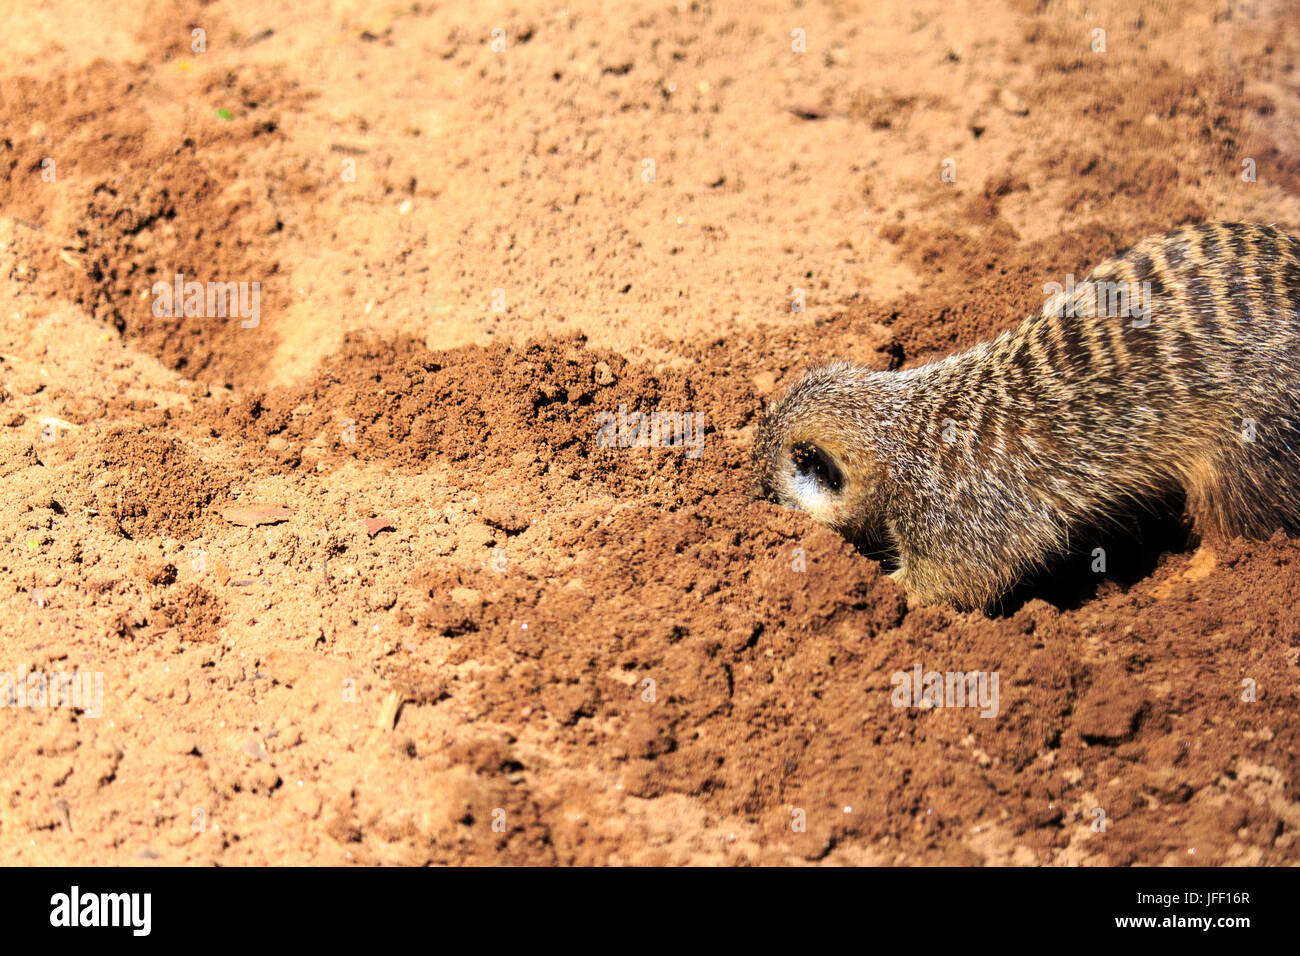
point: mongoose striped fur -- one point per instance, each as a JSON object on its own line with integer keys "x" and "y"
{"x": 1174, "y": 367}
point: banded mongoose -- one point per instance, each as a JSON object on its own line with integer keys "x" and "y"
{"x": 1174, "y": 367}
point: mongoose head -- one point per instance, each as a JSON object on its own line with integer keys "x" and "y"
{"x": 813, "y": 451}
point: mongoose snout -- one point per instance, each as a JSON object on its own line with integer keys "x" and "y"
{"x": 1174, "y": 367}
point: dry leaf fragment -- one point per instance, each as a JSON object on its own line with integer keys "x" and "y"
{"x": 375, "y": 525}
{"x": 252, "y": 515}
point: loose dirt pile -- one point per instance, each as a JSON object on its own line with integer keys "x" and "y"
{"x": 376, "y": 571}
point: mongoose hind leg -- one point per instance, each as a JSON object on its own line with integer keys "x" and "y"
{"x": 1252, "y": 486}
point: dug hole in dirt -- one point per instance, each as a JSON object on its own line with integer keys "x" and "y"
{"x": 359, "y": 581}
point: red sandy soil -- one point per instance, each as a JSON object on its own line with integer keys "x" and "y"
{"x": 548, "y": 651}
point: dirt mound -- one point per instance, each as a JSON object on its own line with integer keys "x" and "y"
{"x": 554, "y": 410}
{"x": 142, "y": 484}
{"x": 145, "y": 194}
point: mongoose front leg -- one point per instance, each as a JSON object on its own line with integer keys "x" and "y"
{"x": 957, "y": 582}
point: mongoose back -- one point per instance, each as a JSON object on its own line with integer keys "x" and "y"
{"x": 1174, "y": 367}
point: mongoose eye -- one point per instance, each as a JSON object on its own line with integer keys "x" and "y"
{"x": 812, "y": 462}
